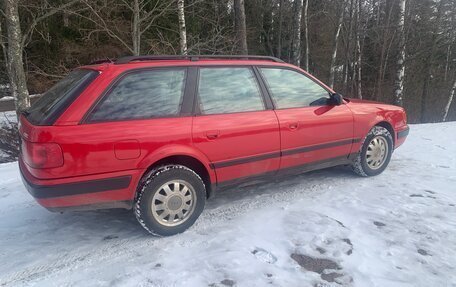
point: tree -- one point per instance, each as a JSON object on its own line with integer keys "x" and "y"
{"x": 450, "y": 101}
{"x": 306, "y": 35}
{"x": 182, "y": 29}
{"x": 296, "y": 40}
{"x": 240, "y": 27}
{"x": 107, "y": 18}
{"x": 400, "y": 73}
{"x": 14, "y": 60}
{"x": 332, "y": 66}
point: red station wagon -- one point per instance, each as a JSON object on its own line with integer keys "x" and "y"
{"x": 160, "y": 134}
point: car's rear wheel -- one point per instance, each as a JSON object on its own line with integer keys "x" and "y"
{"x": 170, "y": 200}
{"x": 375, "y": 153}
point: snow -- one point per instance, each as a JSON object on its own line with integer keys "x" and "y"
{"x": 396, "y": 229}
{"x": 11, "y": 98}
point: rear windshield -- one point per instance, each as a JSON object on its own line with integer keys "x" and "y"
{"x": 55, "y": 101}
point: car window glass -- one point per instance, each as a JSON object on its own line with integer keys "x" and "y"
{"x": 144, "y": 94}
{"x": 228, "y": 90}
{"x": 290, "y": 89}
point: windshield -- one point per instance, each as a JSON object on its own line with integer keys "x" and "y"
{"x": 55, "y": 101}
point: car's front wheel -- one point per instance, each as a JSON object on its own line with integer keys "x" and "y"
{"x": 375, "y": 153}
{"x": 170, "y": 200}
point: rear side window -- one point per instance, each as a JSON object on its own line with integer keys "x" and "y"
{"x": 290, "y": 89}
{"x": 143, "y": 94}
{"x": 228, "y": 90}
{"x": 55, "y": 101}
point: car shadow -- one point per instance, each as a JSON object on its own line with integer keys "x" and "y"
{"x": 111, "y": 224}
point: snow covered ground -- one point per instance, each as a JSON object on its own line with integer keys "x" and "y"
{"x": 325, "y": 228}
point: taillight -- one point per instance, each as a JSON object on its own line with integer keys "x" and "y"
{"x": 42, "y": 155}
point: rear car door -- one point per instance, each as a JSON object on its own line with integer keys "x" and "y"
{"x": 233, "y": 125}
{"x": 313, "y": 130}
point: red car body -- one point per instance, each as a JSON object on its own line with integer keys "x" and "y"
{"x": 99, "y": 165}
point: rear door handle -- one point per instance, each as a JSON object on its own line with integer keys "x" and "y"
{"x": 212, "y": 135}
{"x": 293, "y": 126}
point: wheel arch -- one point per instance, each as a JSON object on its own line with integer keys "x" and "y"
{"x": 385, "y": 124}
{"x": 192, "y": 160}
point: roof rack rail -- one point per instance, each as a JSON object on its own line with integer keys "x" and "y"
{"x": 128, "y": 59}
{"x": 102, "y": 61}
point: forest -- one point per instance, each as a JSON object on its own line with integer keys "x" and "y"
{"x": 395, "y": 51}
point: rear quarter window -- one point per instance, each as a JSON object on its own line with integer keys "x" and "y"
{"x": 57, "y": 99}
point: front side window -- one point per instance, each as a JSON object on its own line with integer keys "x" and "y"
{"x": 290, "y": 89}
{"x": 143, "y": 94}
{"x": 228, "y": 90}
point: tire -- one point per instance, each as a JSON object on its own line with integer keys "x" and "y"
{"x": 170, "y": 200}
{"x": 374, "y": 163}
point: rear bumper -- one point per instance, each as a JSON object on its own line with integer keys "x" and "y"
{"x": 107, "y": 191}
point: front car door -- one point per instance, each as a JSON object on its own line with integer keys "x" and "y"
{"x": 234, "y": 127}
{"x": 314, "y": 132}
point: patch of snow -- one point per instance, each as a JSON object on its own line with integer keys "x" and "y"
{"x": 11, "y": 98}
{"x": 324, "y": 227}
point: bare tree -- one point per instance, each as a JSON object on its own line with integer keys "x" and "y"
{"x": 14, "y": 60}
{"x": 182, "y": 29}
{"x": 306, "y": 35}
{"x": 429, "y": 60}
{"x": 145, "y": 13}
{"x": 17, "y": 40}
{"x": 332, "y": 66}
{"x": 400, "y": 73}
{"x": 359, "y": 54}
{"x": 279, "y": 35}
{"x": 239, "y": 26}
{"x": 450, "y": 101}
{"x": 296, "y": 47}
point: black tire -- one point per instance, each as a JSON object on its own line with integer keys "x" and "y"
{"x": 149, "y": 187}
{"x": 360, "y": 165}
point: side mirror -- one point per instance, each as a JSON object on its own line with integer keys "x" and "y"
{"x": 337, "y": 99}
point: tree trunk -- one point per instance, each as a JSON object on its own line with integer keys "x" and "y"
{"x": 296, "y": 47}
{"x": 332, "y": 67}
{"x": 14, "y": 61}
{"x": 348, "y": 49}
{"x": 136, "y": 35}
{"x": 400, "y": 73}
{"x": 447, "y": 63}
{"x": 450, "y": 101}
{"x": 182, "y": 29}
{"x": 240, "y": 27}
{"x": 279, "y": 36}
{"x": 358, "y": 50}
{"x": 383, "y": 53}
{"x": 428, "y": 63}
{"x": 306, "y": 35}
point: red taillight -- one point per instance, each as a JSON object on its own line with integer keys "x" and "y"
{"x": 42, "y": 155}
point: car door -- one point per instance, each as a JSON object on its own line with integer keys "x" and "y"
{"x": 234, "y": 127}
{"x": 313, "y": 130}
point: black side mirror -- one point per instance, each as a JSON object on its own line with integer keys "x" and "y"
{"x": 337, "y": 99}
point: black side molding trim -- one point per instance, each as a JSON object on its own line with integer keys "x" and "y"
{"x": 403, "y": 133}
{"x": 84, "y": 187}
{"x": 326, "y": 163}
{"x": 244, "y": 160}
{"x": 227, "y": 163}
{"x": 317, "y": 147}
